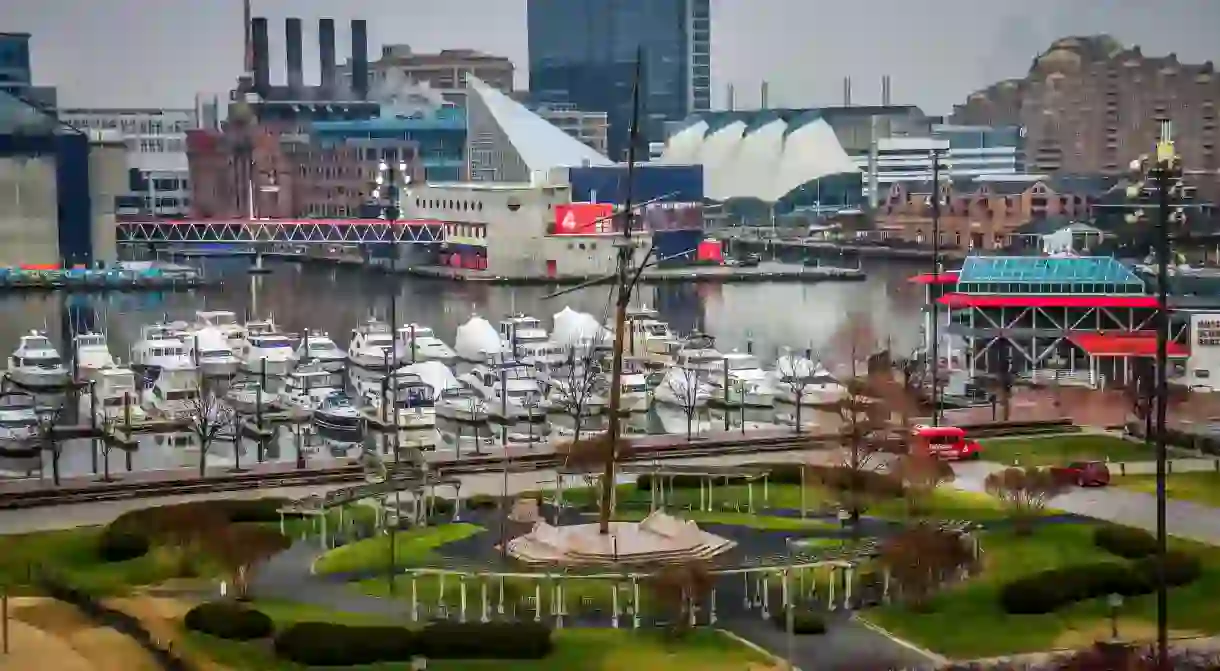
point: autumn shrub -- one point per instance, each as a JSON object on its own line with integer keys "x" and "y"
{"x": 1126, "y": 542}
{"x": 228, "y": 620}
{"x": 1024, "y": 493}
{"x": 924, "y": 558}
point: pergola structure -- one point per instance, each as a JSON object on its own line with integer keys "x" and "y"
{"x": 662, "y": 477}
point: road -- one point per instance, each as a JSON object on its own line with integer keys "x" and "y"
{"x": 1114, "y": 504}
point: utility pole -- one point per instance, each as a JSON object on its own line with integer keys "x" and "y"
{"x": 934, "y": 354}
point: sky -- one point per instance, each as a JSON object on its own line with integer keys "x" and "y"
{"x": 161, "y": 53}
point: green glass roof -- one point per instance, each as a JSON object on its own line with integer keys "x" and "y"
{"x": 1032, "y": 269}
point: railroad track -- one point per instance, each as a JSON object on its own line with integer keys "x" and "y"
{"x": 117, "y": 491}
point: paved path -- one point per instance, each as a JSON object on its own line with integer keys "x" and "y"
{"x": 1114, "y": 504}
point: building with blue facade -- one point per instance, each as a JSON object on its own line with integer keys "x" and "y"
{"x": 434, "y": 140}
{"x": 15, "y": 74}
{"x": 583, "y": 52}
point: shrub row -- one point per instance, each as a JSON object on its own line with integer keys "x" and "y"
{"x": 1048, "y": 591}
{"x": 1207, "y": 444}
{"x": 128, "y": 536}
{"x": 118, "y": 545}
{"x": 1125, "y": 542}
{"x": 328, "y": 644}
{"x": 229, "y": 620}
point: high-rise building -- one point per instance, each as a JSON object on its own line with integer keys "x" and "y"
{"x": 14, "y": 62}
{"x": 583, "y": 52}
{"x": 588, "y": 127}
{"x": 1091, "y": 105}
{"x": 158, "y": 174}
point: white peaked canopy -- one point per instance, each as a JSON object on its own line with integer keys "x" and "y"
{"x": 795, "y": 367}
{"x": 434, "y": 373}
{"x": 476, "y": 340}
{"x": 578, "y": 328}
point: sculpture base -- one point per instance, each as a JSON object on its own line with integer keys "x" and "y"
{"x": 657, "y": 539}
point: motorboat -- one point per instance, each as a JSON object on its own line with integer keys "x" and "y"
{"x": 683, "y": 387}
{"x": 798, "y": 380}
{"x": 318, "y": 346}
{"x": 436, "y": 374}
{"x": 223, "y": 321}
{"x": 583, "y": 393}
{"x": 113, "y": 396}
{"x": 18, "y": 417}
{"x": 36, "y": 363}
{"x": 371, "y": 345}
{"x": 250, "y": 395}
{"x": 634, "y": 395}
{"x": 748, "y": 384}
{"x": 510, "y": 388}
{"x": 698, "y": 353}
{"x": 477, "y": 341}
{"x": 461, "y": 404}
{"x": 336, "y": 411}
{"x": 647, "y": 335}
{"x": 211, "y": 350}
{"x": 91, "y": 354}
{"x": 306, "y": 387}
{"x": 271, "y": 353}
{"x": 412, "y": 398}
{"x": 175, "y": 393}
{"x": 418, "y": 343}
{"x": 160, "y": 346}
{"x": 262, "y": 327}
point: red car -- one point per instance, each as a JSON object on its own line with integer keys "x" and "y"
{"x": 1084, "y": 473}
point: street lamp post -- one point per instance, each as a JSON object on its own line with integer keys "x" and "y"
{"x": 934, "y": 353}
{"x": 1114, "y": 601}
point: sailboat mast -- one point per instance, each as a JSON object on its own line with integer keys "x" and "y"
{"x": 623, "y": 287}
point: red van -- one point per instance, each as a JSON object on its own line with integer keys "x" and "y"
{"x": 946, "y": 442}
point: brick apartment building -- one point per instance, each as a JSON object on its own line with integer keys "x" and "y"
{"x": 1091, "y": 105}
{"x": 983, "y": 215}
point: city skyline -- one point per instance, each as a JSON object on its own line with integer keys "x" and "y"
{"x": 936, "y": 51}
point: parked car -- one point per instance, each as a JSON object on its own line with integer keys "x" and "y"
{"x": 749, "y": 261}
{"x": 1083, "y": 473}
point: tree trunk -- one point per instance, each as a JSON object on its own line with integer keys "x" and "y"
{"x": 798, "y": 411}
{"x": 55, "y": 466}
{"x": 690, "y": 421}
{"x": 203, "y": 458}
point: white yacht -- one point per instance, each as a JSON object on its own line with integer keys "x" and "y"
{"x": 461, "y": 404}
{"x": 212, "y": 351}
{"x": 529, "y": 342}
{"x": 684, "y": 387}
{"x": 579, "y": 391}
{"x": 18, "y": 417}
{"x": 117, "y": 396}
{"x": 647, "y": 335}
{"x": 250, "y": 395}
{"x": 173, "y": 394}
{"x": 267, "y": 352}
{"x": 223, "y": 321}
{"x": 317, "y": 346}
{"x": 510, "y": 388}
{"x": 369, "y": 344}
{"x": 336, "y": 411}
{"x": 36, "y": 363}
{"x": 412, "y": 397}
{"x": 634, "y": 396}
{"x": 796, "y": 379}
{"x": 418, "y": 343}
{"x": 262, "y": 327}
{"x": 698, "y": 353}
{"x": 306, "y": 387}
{"x": 476, "y": 341}
{"x": 748, "y": 384}
{"x": 160, "y": 347}
{"x": 91, "y": 354}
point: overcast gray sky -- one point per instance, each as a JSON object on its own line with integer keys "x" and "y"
{"x": 160, "y": 53}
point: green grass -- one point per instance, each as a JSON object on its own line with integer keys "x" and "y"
{"x": 412, "y": 546}
{"x": 1060, "y": 450}
{"x": 991, "y": 632}
{"x": 1200, "y": 487}
{"x": 72, "y": 553}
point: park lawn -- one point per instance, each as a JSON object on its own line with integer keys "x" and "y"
{"x": 1061, "y": 450}
{"x": 411, "y": 547}
{"x": 72, "y": 553}
{"x": 1199, "y": 487}
{"x": 966, "y": 621}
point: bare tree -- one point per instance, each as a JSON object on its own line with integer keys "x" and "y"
{"x": 863, "y": 435}
{"x": 686, "y": 385}
{"x": 46, "y": 439}
{"x": 679, "y": 588}
{"x": 581, "y": 377}
{"x": 795, "y": 371}
{"x": 1024, "y": 493}
{"x": 207, "y": 417}
{"x": 924, "y": 558}
{"x": 921, "y": 474}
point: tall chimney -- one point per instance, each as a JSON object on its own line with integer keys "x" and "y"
{"x": 885, "y": 90}
{"x": 247, "y": 56}
{"x": 847, "y": 91}
{"x": 763, "y": 102}
{"x": 326, "y": 52}
{"x": 360, "y": 59}
{"x": 732, "y": 102}
{"x": 292, "y": 45}
{"x": 259, "y": 47}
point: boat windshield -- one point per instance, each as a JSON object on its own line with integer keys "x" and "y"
{"x": 270, "y": 343}
{"x": 180, "y": 394}
{"x": 216, "y": 354}
{"x": 220, "y": 318}
{"x": 90, "y": 341}
{"x": 743, "y": 363}
{"x": 321, "y": 345}
{"x": 13, "y": 421}
{"x": 337, "y": 401}
{"x": 45, "y": 362}
{"x": 700, "y": 360}
{"x": 36, "y": 343}
{"x": 420, "y": 332}
{"x": 415, "y": 396}
{"x": 635, "y": 388}
{"x": 658, "y": 329}
{"x": 379, "y": 341}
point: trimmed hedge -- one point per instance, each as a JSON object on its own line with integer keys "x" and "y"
{"x": 1126, "y": 542}
{"x": 1048, "y": 591}
{"x": 804, "y": 622}
{"x": 327, "y": 644}
{"x": 228, "y": 620}
{"x": 119, "y": 545}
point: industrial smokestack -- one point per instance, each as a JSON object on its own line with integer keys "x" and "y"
{"x": 732, "y": 95}
{"x": 247, "y": 55}
{"x": 885, "y": 90}
{"x": 326, "y": 53}
{"x": 360, "y": 59}
{"x": 292, "y": 45}
{"x": 847, "y": 91}
{"x": 763, "y": 102}
{"x": 259, "y": 47}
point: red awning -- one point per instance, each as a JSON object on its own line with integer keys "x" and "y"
{"x": 1138, "y": 343}
{"x": 947, "y": 277}
{"x": 1027, "y": 301}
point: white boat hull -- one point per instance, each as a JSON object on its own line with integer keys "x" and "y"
{"x": 332, "y": 365}
{"x": 461, "y": 413}
{"x": 371, "y": 361}
{"x": 664, "y": 394}
{"x": 39, "y": 377}
{"x": 634, "y": 401}
{"x": 340, "y": 422}
{"x": 274, "y": 368}
{"x": 809, "y": 397}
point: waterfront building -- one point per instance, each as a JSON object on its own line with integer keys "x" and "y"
{"x": 15, "y": 76}
{"x": 591, "y": 128}
{"x": 583, "y": 52}
{"x": 158, "y": 182}
{"x": 966, "y": 152}
{"x": 58, "y": 186}
{"x": 1089, "y": 104}
{"x": 447, "y": 71}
